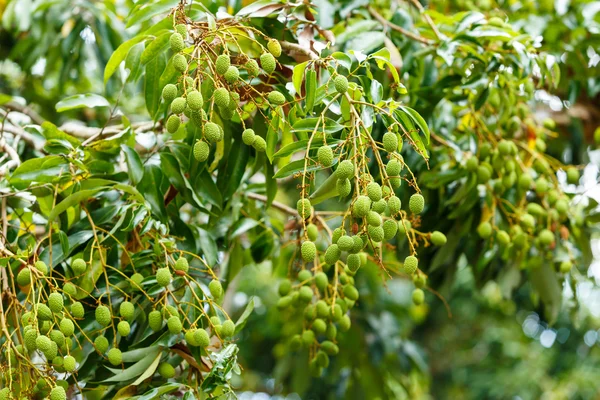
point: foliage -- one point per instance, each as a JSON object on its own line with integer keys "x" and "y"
{"x": 342, "y": 162}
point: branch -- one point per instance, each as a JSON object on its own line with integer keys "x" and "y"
{"x": 427, "y": 18}
{"x": 35, "y": 117}
{"x": 397, "y": 28}
{"x": 302, "y": 50}
{"x": 15, "y": 159}
{"x": 276, "y": 204}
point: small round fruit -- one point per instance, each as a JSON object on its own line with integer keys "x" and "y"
{"x": 57, "y": 393}
{"x": 55, "y": 302}
{"x": 276, "y": 98}
{"x": 163, "y": 276}
{"x": 416, "y": 204}
{"x": 304, "y": 208}
{"x": 24, "y": 277}
{"x": 215, "y": 288}
{"x": 345, "y": 170}
{"x": 201, "y": 151}
{"x": 103, "y": 316}
{"x": 67, "y": 327}
{"x": 390, "y": 142}
{"x": 173, "y": 123}
{"x": 69, "y": 363}
{"x": 174, "y": 325}
{"x": 222, "y": 64}
{"x": 325, "y": 156}
{"x": 123, "y": 328}
{"x": 115, "y": 356}
{"x": 484, "y": 230}
{"x": 418, "y": 296}
{"x": 248, "y": 137}
{"x": 180, "y": 62}
{"x": 341, "y": 84}
{"x": 176, "y": 42}
{"x": 274, "y": 47}
{"x": 267, "y": 61}
{"x": 312, "y": 232}
{"x": 166, "y": 370}
{"x": 438, "y": 238}
{"x": 79, "y": 266}
{"x": 309, "y": 251}
{"x": 155, "y": 320}
{"x": 411, "y": 264}
{"x": 259, "y": 143}
{"x": 361, "y": 206}
{"x": 101, "y": 344}
{"x": 182, "y": 264}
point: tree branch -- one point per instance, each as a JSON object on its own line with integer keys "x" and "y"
{"x": 35, "y": 117}
{"x": 397, "y": 28}
{"x": 297, "y": 48}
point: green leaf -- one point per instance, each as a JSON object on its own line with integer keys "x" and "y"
{"x": 419, "y": 121}
{"x": 326, "y": 190}
{"x": 296, "y": 167}
{"x": 546, "y": 284}
{"x": 301, "y": 145}
{"x": 156, "y": 47}
{"x": 298, "y": 75}
{"x": 143, "y": 11}
{"x": 135, "y": 169}
{"x": 149, "y": 371}
{"x": 73, "y": 200}
{"x": 50, "y": 131}
{"x": 88, "y": 100}
{"x": 119, "y": 56}
{"x": 241, "y": 322}
{"x": 152, "y": 88}
{"x": 311, "y": 89}
{"x": 136, "y": 369}
{"x": 310, "y": 124}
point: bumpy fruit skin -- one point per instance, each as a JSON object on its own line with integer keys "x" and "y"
{"x": 136, "y": 280}
{"x": 69, "y": 363}
{"x": 215, "y": 288}
{"x": 345, "y": 243}
{"x": 394, "y": 204}
{"x": 484, "y": 230}
{"x": 344, "y": 187}
{"x": 332, "y": 254}
{"x": 321, "y": 280}
{"x": 103, "y": 316}
{"x": 232, "y": 74}
{"x": 353, "y": 261}
{"x": 309, "y": 251}
{"x": 390, "y": 228}
{"x": 201, "y": 151}
{"x": 227, "y": 329}
{"x": 163, "y": 276}
{"x": 180, "y": 63}
{"x": 41, "y": 267}
{"x": 79, "y": 266}
{"x": 304, "y": 208}
{"x": 416, "y": 203}
{"x": 361, "y": 206}
{"x": 173, "y": 123}
{"x": 274, "y": 47}
{"x": 252, "y": 68}
{"x": 411, "y": 264}
{"x": 325, "y": 156}
{"x": 123, "y": 328}
{"x": 155, "y": 320}
{"x": 267, "y": 62}
{"x": 376, "y": 233}
{"x": 182, "y": 264}
{"x": 221, "y": 97}
{"x": 373, "y": 218}
{"x": 29, "y": 337}
{"x": 24, "y": 277}
{"x": 438, "y": 238}
{"x": 276, "y": 98}
{"x": 176, "y": 42}
{"x": 166, "y": 370}
{"x": 374, "y": 191}
{"x": 174, "y": 325}
{"x": 390, "y": 142}
{"x": 43, "y": 311}
{"x": 248, "y": 136}
{"x": 259, "y": 143}
{"x": 345, "y": 170}
{"x": 55, "y": 302}
{"x": 181, "y": 29}
{"x": 101, "y": 344}
{"x": 58, "y": 393}
{"x": 341, "y": 84}
{"x": 222, "y": 64}
{"x": 178, "y": 105}
{"x": 212, "y": 132}
{"x": 418, "y": 296}
{"x": 70, "y": 289}
{"x": 114, "y": 356}
{"x": 43, "y": 343}
{"x": 67, "y": 327}
{"x": 194, "y": 100}
{"x": 393, "y": 168}
{"x": 312, "y": 232}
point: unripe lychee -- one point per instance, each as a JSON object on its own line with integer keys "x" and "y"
{"x": 212, "y": 132}
{"x": 503, "y": 238}
{"x": 67, "y": 327}
{"x": 304, "y": 208}
{"x": 374, "y": 191}
{"x": 55, "y": 302}
{"x": 43, "y": 343}
{"x": 173, "y": 123}
{"x": 163, "y": 276}
{"x": 155, "y": 320}
{"x": 309, "y": 251}
{"x": 351, "y": 292}
{"x": 393, "y": 168}
{"x": 248, "y": 136}
{"x": 483, "y": 174}
{"x": 325, "y": 156}
{"x": 201, "y": 151}
{"x": 305, "y": 276}
{"x": 394, "y": 204}
{"x": 180, "y": 63}
{"x": 472, "y": 164}
{"x": 77, "y": 310}
{"x": 373, "y": 218}
{"x": 284, "y": 302}
{"x": 438, "y": 238}
{"x": 361, "y": 206}
{"x": 411, "y": 264}
{"x": 70, "y": 289}
{"x": 215, "y": 288}
{"x": 103, "y": 316}
{"x": 319, "y": 326}
{"x": 227, "y": 329}
{"x": 182, "y": 264}
{"x": 176, "y": 42}
{"x": 345, "y": 243}
{"x": 274, "y": 47}
{"x": 29, "y": 339}
{"x": 528, "y": 221}
{"x": 358, "y": 244}
{"x": 232, "y": 75}
{"x": 390, "y": 142}
{"x": 312, "y": 232}
{"x": 69, "y": 363}
{"x": 123, "y": 328}
{"x": 484, "y": 230}
{"x": 24, "y": 277}
{"x": 194, "y": 100}
{"x": 376, "y": 233}
{"x": 166, "y": 370}
{"x": 58, "y": 393}
{"x": 267, "y": 62}
{"x": 181, "y": 29}
{"x": 341, "y": 84}
{"x": 115, "y": 356}
{"x": 504, "y": 147}
{"x": 344, "y": 323}
{"x": 127, "y": 309}
{"x": 252, "y": 68}
{"x": 79, "y": 266}
{"x": 353, "y": 261}
{"x": 222, "y": 64}
{"x": 221, "y": 97}
{"x": 178, "y": 105}
{"x": 43, "y": 312}
{"x": 390, "y": 228}
{"x": 546, "y": 237}
{"x": 321, "y": 280}
{"x": 174, "y": 325}
{"x": 344, "y": 187}
{"x": 379, "y": 206}
{"x": 332, "y": 254}
{"x": 101, "y": 344}
{"x": 201, "y": 337}
{"x": 259, "y": 143}
{"x": 276, "y": 98}
{"x": 416, "y": 203}
{"x": 572, "y": 175}
{"x": 345, "y": 170}
{"x": 285, "y": 286}
{"x": 566, "y": 266}
{"x": 418, "y": 296}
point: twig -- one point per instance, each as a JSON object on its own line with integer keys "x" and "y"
{"x": 35, "y": 117}
{"x": 427, "y": 18}
{"x": 276, "y": 204}
{"x": 400, "y": 29}
{"x": 296, "y": 47}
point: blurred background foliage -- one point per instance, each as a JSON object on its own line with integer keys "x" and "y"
{"x": 471, "y": 340}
